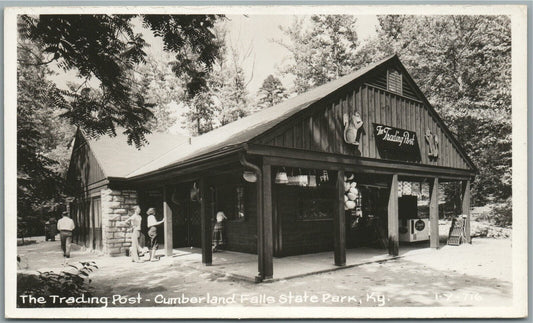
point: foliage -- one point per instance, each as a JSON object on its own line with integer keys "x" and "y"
{"x": 271, "y": 92}
{"x": 162, "y": 89}
{"x": 225, "y": 97}
{"x": 105, "y": 47}
{"x": 42, "y": 139}
{"x": 64, "y": 284}
{"x": 502, "y": 213}
{"x": 322, "y": 49}
{"x": 462, "y": 64}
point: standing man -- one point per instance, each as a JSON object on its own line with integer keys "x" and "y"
{"x": 152, "y": 232}
{"x": 65, "y": 226}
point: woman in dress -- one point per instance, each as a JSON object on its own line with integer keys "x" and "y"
{"x": 135, "y": 222}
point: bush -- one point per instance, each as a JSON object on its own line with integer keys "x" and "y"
{"x": 64, "y": 284}
{"x": 502, "y": 214}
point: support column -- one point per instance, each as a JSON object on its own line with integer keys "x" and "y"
{"x": 465, "y": 197}
{"x": 266, "y": 253}
{"x": 167, "y": 212}
{"x": 207, "y": 252}
{"x": 339, "y": 223}
{"x": 392, "y": 217}
{"x": 434, "y": 214}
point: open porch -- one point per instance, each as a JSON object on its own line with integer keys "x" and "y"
{"x": 243, "y": 266}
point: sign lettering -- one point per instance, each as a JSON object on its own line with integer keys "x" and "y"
{"x": 396, "y": 143}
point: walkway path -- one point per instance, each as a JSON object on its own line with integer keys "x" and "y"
{"x": 468, "y": 275}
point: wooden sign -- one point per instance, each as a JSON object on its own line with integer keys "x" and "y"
{"x": 457, "y": 232}
{"x": 396, "y": 143}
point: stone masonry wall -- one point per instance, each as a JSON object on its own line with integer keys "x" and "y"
{"x": 117, "y": 206}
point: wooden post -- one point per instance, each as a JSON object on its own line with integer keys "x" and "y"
{"x": 465, "y": 196}
{"x": 167, "y": 212}
{"x": 392, "y": 217}
{"x": 207, "y": 252}
{"x": 267, "y": 236}
{"x": 434, "y": 214}
{"x": 339, "y": 223}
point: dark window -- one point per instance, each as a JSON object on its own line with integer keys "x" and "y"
{"x": 230, "y": 200}
{"x": 394, "y": 81}
{"x": 239, "y": 202}
{"x": 316, "y": 204}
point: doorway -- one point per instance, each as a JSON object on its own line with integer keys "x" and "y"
{"x": 186, "y": 220}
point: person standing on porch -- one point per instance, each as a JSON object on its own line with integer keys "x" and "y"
{"x": 135, "y": 222}
{"x": 152, "y": 232}
{"x": 65, "y": 226}
{"x": 218, "y": 232}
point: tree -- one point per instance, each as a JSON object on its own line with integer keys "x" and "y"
{"x": 42, "y": 139}
{"x": 162, "y": 89}
{"x": 225, "y": 97}
{"x": 271, "y": 92}
{"x": 463, "y": 65}
{"x": 105, "y": 47}
{"x": 321, "y": 50}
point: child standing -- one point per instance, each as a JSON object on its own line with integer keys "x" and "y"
{"x": 218, "y": 232}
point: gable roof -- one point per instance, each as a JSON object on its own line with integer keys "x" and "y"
{"x": 247, "y": 128}
{"x": 118, "y": 159}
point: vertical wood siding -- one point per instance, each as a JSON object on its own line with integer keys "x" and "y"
{"x": 323, "y": 130}
{"x": 86, "y": 166}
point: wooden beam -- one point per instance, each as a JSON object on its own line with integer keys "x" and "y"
{"x": 465, "y": 197}
{"x": 339, "y": 223}
{"x": 392, "y": 217}
{"x": 434, "y": 214}
{"x": 207, "y": 252}
{"x": 267, "y": 235}
{"x": 167, "y": 212}
{"x": 332, "y": 161}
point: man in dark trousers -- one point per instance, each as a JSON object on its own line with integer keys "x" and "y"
{"x": 65, "y": 226}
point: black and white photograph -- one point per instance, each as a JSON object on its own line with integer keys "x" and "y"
{"x": 266, "y": 162}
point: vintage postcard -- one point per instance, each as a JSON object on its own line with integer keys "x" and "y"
{"x": 266, "y": 162}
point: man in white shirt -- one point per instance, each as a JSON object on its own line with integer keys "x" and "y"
{"x": 65, "y": 226}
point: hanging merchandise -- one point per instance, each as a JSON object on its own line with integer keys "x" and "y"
{"x": 302, "y": 179}
{"x": 350, "y": 204}
{"x": 195, "y": 192}
{"x": 415, "y": 189}
{"x": 400, "y": 188}
{"x": 294, "y": 180}
{"x": 312, "y": 180}
{"x": 324, "y": 177}
{"x": 406, "y": 188}
{"x": 281, "y": 177}
{"x": 250, "y": 177}
{"x": 425, "y": 190}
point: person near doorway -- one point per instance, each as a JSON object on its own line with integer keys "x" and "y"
{"x": 53, "y": 229}
{"x": 218, "y": 232}
{"x": 65, "y": 226}
{"x": 135, "y": 222}
{"x": 152, "y": 232}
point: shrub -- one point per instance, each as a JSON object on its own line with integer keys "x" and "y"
{"x": 502, "y": 214}
{"x": 64, "y": 284}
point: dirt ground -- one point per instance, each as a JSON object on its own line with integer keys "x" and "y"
{"x": 479, "y": 274}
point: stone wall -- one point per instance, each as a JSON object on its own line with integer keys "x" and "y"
{"x": 117, "y": 206}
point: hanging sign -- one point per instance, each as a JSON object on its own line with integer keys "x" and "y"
{"x": 396, "y": 143}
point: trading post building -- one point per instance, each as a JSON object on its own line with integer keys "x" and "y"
{"x": 354, "y": 162}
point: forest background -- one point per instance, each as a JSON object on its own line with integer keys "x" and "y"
{"x": 96, "y": 73}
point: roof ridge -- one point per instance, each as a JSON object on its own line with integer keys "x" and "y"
{"x": 292, "y": 106}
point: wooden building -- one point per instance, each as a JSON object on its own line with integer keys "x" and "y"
{"x": 283, "y": 176}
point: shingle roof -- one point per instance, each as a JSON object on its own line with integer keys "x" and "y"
{"x": 118, "y": 159}
{"x": 247, "y": 128}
